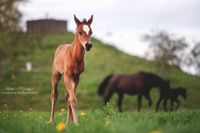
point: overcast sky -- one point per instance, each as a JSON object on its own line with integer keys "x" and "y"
{"x": 122, "y": 22}
{"x": 120, "y": 14}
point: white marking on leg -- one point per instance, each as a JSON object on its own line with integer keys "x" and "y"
{"x": 86, "y": 29}
{"x": 73, "y": 85}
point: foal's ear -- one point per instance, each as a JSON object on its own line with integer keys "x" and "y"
{"x": 90, "y": 20}
{"x": 77, "y": 20}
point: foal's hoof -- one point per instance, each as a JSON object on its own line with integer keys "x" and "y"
{"x": 76, "y": 123}
{"x": 50, "y": 122}
{"x": 71, "y": 123}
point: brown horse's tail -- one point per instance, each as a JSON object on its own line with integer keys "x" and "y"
{"x": 103, "y": 85}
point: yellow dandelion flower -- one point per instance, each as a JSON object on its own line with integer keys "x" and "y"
{"x": 5, "y": 105}
{"x": 155, "y": 131}
{"x": 62, "y": 110}
{"x": 13, "y": 77}
{"x": 60, "y": 126}
{"x": 107, "y": 117}
{"x": 82, "y": 114}
{"x": 107, "y": 122}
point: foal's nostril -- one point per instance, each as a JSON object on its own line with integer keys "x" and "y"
{"x": 88, "y": 46}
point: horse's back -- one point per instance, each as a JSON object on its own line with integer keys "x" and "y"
{"x": 59, "y": 57}
{"x": 131, "y": 84}
{"x": 61, "y": 49}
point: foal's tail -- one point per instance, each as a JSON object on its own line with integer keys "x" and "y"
{"x": 103, "y": 85}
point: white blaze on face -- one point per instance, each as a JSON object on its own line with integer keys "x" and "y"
{"x": 86, "y": 29}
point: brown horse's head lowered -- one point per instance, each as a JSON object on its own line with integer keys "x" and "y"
{"x": 84, "y": 32}
{"x": 69, "y": 62}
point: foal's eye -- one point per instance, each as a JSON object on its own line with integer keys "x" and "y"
{"x": 80, "y": 33}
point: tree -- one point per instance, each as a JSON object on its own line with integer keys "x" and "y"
{"x": 196, "y": 56}
{"x": 9, "y": 15}
{"x": 166, "y": 49}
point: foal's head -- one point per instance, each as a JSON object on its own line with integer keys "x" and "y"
{"x": 84, "y": 32}
{"x": 183, "y": 92}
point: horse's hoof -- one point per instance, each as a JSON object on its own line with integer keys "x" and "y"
{"x": 76, "y": 123}
{"x": 67, "y": 124}
{"x": 50, "y": 122}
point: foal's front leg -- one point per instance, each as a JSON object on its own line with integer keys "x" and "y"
{"x": 69, "y": 111}
{"x": 54, "y": 93}
{"x": 72, "y": 101}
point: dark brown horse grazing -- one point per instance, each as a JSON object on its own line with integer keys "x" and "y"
{"x": 174, "y": 93}
{"x": 69, "y": 61}
{"x": 139, "y": 83}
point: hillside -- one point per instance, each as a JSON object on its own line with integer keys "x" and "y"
{"x": 100, "y": 61}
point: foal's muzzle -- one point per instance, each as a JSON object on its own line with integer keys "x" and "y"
{"x": 88, "y": 46}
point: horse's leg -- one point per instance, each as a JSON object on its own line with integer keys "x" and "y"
{"x": 74, "y": 111}
{"x": 165, "y": 104}
{"x": 178, "y": 104}
{"x": 149, "y": 99}
{"x": 72, "y": 101}
{"x": 120, "y": 99}
{"x": 139, "y": 101}
{"x": 107, "y": 97}
{"x": 158, "y": 103}
{"x": 54, "y": 93}
{"x": 69, "y": 111}
{"x": 171, "y": 104}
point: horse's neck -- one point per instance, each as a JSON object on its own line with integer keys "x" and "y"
{"x": 158, "y": 82}
{"x": 77, "y": 49}
{"x": 155, "y": 80}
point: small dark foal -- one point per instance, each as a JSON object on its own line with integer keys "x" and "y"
{"x": 174, "y": 95}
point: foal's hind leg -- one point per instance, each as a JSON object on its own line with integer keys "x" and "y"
{"x": 149, "y": 99}
{"x": 54, "y": 94}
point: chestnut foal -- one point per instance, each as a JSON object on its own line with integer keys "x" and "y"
{"x": 69, "y": 61}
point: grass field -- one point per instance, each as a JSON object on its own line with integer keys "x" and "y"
{"x": 103, "y": 121}
{"x": 29, "y": 112}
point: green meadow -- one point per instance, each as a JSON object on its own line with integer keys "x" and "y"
{"x": 103, "y": 121}
{"x": 25, "y": 96}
